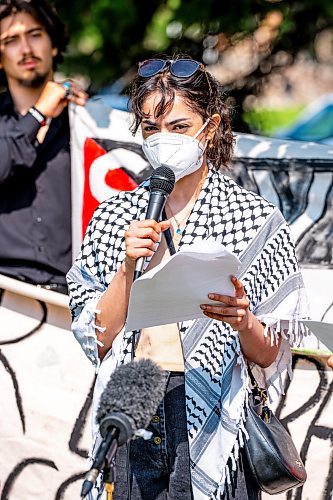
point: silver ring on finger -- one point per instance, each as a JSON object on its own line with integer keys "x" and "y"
{"x": 67, "y": 86}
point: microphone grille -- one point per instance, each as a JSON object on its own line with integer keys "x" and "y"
{"x": 163, "y": 179}
{"x": 134, "y": 389}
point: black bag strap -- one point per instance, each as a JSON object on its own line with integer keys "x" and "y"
{"x": 253, "y": 380}
{"x": 257, "y": 391}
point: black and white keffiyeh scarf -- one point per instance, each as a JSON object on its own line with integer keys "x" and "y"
{"x": 216, "y": 380}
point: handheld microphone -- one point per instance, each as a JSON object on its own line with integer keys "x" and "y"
{"x": 162, "y": 183}
{"x": 127, "y": 404}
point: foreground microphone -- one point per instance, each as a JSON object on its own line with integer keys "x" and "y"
{"x": 127, "y": 404}
{"x": 162, "y": 183}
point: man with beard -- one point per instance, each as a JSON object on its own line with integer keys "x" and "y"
{"x": 35, "y": 180}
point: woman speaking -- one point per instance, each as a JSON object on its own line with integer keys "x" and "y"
{"x": 199, "y": 427}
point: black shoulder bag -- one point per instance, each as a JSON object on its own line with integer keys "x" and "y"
{"x": 270, "y": 451}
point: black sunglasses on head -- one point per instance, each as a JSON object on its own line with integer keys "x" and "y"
{"x": 181, "y": 68}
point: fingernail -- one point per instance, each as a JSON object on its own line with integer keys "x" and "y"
{"x": 203, "y": 307}
{"x": 211, "y": 295}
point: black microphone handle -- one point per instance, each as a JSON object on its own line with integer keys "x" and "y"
{"x": 156, "y": 204}
{"x": 111, "y": 440}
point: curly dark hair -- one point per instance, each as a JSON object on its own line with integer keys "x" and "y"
{"x": 46, "y": 15}
{"x": 203, "y": 94}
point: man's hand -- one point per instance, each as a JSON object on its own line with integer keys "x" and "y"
{"x": 56, "y": 96}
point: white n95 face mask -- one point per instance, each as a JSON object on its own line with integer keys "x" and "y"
{"x": 180, "y": 152}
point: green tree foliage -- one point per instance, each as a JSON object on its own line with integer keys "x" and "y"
{"x": 108, "y": 37}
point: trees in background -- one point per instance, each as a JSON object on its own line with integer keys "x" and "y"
{"x": 106, "y": 36}
{"x": 244, "y": 42}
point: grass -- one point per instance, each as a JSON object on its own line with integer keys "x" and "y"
{"x": 267, "y": 121}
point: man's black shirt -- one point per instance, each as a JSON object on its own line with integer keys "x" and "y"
{"x": 35, "y": 197}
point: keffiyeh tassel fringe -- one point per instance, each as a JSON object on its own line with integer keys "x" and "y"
{"x": 230, "y": 469}
{"x": 291, "y": 330}
{"x": 84, "y": 328}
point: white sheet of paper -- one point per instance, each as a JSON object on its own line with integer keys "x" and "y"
{"x": 174, "y": 290}
{"x": 323, "y": 332}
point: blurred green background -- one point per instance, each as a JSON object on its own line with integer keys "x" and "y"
{"x": 272, "y": 57}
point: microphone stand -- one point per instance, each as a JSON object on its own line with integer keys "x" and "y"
{"x": 135, "y": 333}
{"x": 135, "y": 336}
{"x": 105, "y": 454}
{"x": 109, "y": 480}
{"x": 134, "y": 339}
{"x": 109, "y": 471}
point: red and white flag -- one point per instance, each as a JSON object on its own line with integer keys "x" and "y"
{"x": 106, "y": 158}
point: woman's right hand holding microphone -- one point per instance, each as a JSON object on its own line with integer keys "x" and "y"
{"x": 142, "y": 238}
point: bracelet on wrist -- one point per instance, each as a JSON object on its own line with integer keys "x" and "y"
{"x": 38, "y": 116}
